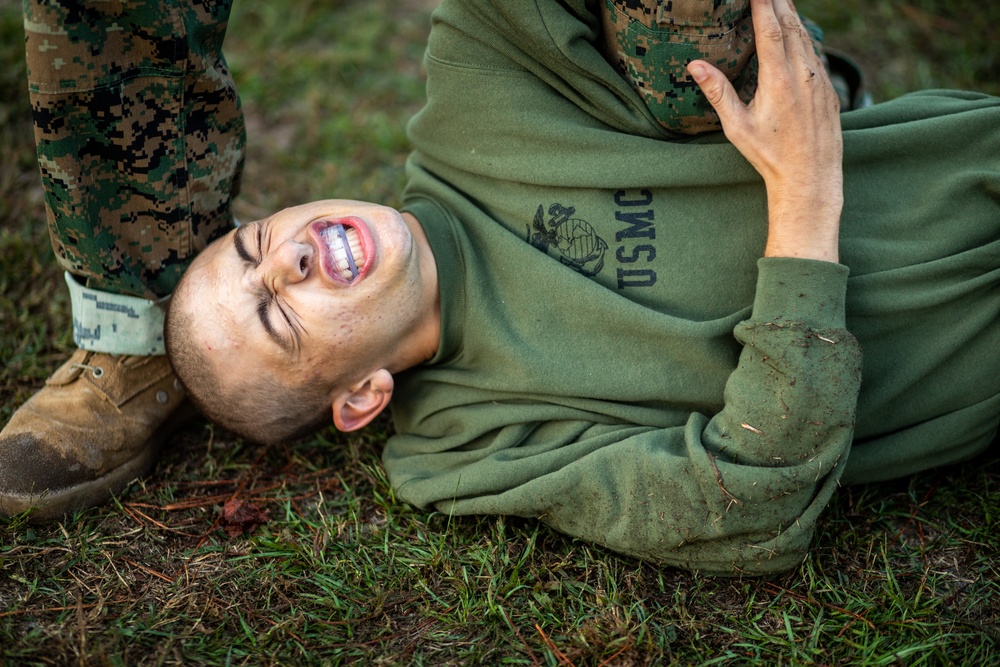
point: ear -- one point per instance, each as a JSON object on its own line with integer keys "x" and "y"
{"x": 356, "y": 406}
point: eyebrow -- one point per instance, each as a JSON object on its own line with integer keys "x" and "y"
{"x": 240, "y": 244}
{"x": 262, "y": 294}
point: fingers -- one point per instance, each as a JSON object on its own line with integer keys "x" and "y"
{"x": 783, "y": 45}
{"x": 720, "y": 94}
{"x": 792, "y": 82}
{"x": 769, "y": 36}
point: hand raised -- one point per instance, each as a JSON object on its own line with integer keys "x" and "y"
{"x": 790, "y": 132}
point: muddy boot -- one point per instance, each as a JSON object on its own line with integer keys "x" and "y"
{"x": 96, "y": 425}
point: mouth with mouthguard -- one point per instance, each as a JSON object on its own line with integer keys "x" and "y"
{"x": 345, "y": 245}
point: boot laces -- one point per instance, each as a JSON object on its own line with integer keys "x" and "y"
{"x": 96, "y": 371}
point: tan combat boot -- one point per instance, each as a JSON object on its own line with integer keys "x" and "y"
{"x": 96, "y": 425}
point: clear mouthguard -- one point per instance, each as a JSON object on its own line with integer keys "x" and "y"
{"x": 339, "y": 230}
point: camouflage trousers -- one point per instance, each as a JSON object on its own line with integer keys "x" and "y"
{"x": 650, "y": 43}
{"x": 140, "y": 141}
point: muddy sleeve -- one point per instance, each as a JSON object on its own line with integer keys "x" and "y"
{"x": 740, "y": 491}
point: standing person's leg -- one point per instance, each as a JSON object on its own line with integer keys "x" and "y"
{"x": 140, "y": 144}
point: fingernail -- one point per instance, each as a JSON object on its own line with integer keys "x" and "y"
{"x": 697, "y": 70}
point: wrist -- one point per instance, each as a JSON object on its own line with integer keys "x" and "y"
{"x": 806, "y": 227}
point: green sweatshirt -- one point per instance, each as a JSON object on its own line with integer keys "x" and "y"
{"x": 616, "y": 361}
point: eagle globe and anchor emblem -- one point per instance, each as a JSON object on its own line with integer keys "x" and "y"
{"x": 572, "y": 239}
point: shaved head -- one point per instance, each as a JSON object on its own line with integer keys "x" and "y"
{"x": 258, "y": 407}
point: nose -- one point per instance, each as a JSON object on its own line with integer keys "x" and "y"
{"x": 287, "y": 264}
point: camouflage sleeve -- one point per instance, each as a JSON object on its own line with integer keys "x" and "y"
{"x": 650, "y": 43}
{"x": 139, "y": 135}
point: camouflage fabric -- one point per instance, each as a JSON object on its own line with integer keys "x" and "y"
{"x": 116, "y": 323}
{"x": 139, "y": 134}
{"x": 650, "y": 43}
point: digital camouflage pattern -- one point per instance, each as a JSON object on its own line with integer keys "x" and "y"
{"x": 139, "y": 134}
{"x": 650, "y": 43}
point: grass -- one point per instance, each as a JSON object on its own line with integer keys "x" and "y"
{"x": 901, "y": 573}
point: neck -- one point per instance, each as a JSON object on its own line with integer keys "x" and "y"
{"x": 426, "y": 336}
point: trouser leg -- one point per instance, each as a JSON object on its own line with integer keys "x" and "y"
{"x": 140, "y": 143}
{"x": 140, "y": 146}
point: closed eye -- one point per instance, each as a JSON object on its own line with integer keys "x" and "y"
{"x": 263, "y": 293}
{"x": 293, "y": 324}
{"x": 240, "y": 243}
{"x": 264, "y": 301}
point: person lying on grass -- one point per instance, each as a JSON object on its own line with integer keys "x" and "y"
{"x": 647, "y": 340}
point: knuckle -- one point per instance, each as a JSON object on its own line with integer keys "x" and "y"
{"x": 790, "y": 23}
{"x": 771, "y": 32}
{"x": 714, "y": 93}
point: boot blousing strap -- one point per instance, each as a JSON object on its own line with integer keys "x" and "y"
{"x": 116, "y": 324}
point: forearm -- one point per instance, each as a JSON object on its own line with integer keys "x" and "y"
{"x": 739, "y": 492}
{"x": 790, "y": 133}
{"x": 795, "y": 389}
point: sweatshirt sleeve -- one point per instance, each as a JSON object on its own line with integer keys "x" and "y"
{"x": 738, "y": 492}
